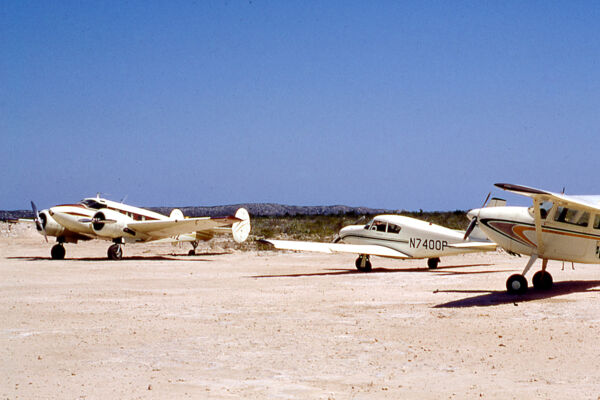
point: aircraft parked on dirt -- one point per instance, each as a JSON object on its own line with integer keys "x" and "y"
{"x": 393, "y": 236}
{"x": 98, "y": 218}
{"x": 556, "y": 227}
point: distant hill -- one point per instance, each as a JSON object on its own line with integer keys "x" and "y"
{"x": 255, "y": 210}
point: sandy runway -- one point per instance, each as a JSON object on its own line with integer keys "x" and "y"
{"x": 288, "y": 325}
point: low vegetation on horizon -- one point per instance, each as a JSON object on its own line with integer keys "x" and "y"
{"x": 325, "y": 227}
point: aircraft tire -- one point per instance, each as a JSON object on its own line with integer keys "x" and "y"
{"x": 366, "y": 268}
{"x": 516, "y": 284}
{"x": 191, "y": 253}
{"x": 58, "y": 252}
{"x": 432, "y": 263}
{"x": 115, "y": 252}
{"x": 542, "y": 280}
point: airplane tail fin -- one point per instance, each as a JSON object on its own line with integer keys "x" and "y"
{"x": 496, "y": 202}
{"x": 240, "y": 230}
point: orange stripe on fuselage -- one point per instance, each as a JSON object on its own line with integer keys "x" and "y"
{"x": 520, "y": 230}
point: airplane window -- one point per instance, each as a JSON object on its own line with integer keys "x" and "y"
{"x": 545, "y": 208}
{"x": 369, "y": 224}
{"x": 393, "y": 228}
{"x": 91, "y": 203}
{"x": 597, "y": 222}
{"x": 571, "y": 216}
{"x": 379, "y": 226}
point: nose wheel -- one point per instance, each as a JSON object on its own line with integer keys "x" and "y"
{"x": 432, "y": 263}
{"x": 115, "y": 252}
{"x": 58, "y": 252}
{"x": 362, "y": 263}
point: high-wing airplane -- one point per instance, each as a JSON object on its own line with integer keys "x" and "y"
{"x": 556, "y": 227}
{"x": 98, "y": 218}
{"x": 394, "y": 236}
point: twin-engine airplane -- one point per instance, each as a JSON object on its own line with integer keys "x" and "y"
{"x": 98, "y": 218}
{"x": 394, "y": 236}
{"x": 556, "y": 227}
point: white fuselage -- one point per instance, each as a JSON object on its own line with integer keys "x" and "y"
{"x": 513, "y": 228}
{"x": 415, "y": 238}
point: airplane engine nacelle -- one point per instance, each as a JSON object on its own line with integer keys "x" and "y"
{"x": 111, "y": 224}
{"x": 50, "y": 225}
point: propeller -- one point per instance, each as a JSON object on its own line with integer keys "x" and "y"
{"x": 39, "y": 224}
{"x": 473, "y": 222}
{"x": 97, "y": 220}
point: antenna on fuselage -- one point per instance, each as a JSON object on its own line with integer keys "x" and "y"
{"x": 124, "y": 198}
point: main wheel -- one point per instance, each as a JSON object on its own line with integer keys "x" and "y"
{"x": 432, "y": 263}
{"x": 191, "y": 253}
{"x": 516, "y": 284}
{"x": 542, "y": 280}
{"x": 360, "y": 267}
{"x": 115, "y": 252}
{"x": 58, "y": 252}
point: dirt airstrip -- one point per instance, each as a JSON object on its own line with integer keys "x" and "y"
{"x": 287, "y": 325}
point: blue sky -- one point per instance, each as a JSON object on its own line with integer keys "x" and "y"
{"x": 401, "y": 105}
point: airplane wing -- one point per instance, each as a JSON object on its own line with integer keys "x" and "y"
{"x": 370, "y": 249}
{"x": 165, "y": 228}
{"x": 587, "y": 203}
{"x": 484, "y": 246}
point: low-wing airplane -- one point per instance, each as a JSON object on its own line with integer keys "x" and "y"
{"x": 394, "y": 236}
{"x": 556, "y": 227}
{"x": 98, "y": 218}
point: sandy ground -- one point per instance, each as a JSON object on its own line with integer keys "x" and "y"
{"x": 287, "y": 325}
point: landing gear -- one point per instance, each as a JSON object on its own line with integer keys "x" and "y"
{"x": 432, "y": 263}
{"x": 542, "y": 280}
{"x": 362, "y": 263}
{"x": 115, "y": 252}
{"x": 58, "y": 252}
{"x": 193, "y": 251}
{"x": 516, "y": 284}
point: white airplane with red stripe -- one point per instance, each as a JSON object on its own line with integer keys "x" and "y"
{"x": 393, "y": 236}
{"x": 556, "y": 227}
{"x": 99, "y": 218}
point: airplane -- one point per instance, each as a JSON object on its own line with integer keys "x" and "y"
{"x": 556, "y": 227}
{"x": 99, "y": 218}
{"x": 393, "y": 236}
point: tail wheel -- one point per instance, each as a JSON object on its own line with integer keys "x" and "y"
{"x": 115, "y": 252}
{"x": 516, "y": 284}
{"x": 58, "y": 252}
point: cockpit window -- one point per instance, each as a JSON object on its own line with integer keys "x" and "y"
{"x": 393, "y": 228}
{"x": 91, "y": 203}
{"x": 571, "y": 216}
{"x": 545, "y": 208}
{"x": 380, "y": 226}
{"x": 368, "y": 225}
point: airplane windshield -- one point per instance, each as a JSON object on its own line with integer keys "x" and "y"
{"x": 545, "y": 208}
{"x": 91, "y": 203}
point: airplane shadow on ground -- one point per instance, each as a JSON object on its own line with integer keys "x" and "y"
{"x": 445, "y": 270}
{"x": 496, "y": 297}
{"x": 159, "y": 257}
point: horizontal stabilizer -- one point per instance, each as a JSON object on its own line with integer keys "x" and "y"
{"x": 474, "y": 246}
